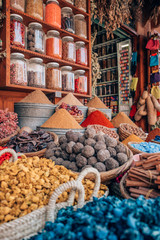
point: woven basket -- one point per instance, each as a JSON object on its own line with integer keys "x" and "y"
{"x": 100, "y": 128}
{"x": 14, "y": 156}
{"x": 30, "y": 224}
{"x": 123, "y": 189}
{"x": 42, "y": 152}
{"x": 134, "y": 150}
{"x": 5, "y": 140}
{"x": 123, "y": 133}
{"x": 107, "y": 176}
{"x": 77, "y": 118}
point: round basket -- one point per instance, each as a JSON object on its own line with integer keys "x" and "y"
{"x": 107, "y": 176}
{"x": 109, "y": 131}
{"x": 123, "y": 189}
{"x": 42, "y": 152}
{"x": 125, "y": 130}
{"x": 134, "y": 150}
{"x": 5, "y": 140}
{"x": 77, "y": 118}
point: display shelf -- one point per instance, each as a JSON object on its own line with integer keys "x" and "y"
{"x": 106, "y": 69}
{"x": 46, "y": 58}
{"x": 106, "y": 43}
{"x": 107, "y": 56}
{"x": 108, "y": 82}
{"x": 46, "y": 27}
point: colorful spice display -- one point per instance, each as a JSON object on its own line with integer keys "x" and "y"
{"x": 132, "y": 138}
{"x": 96, "y": 103}
{"x": 54, "y": 44}
{"x": 36, "y": 96}
{"x": 18, "y": 4}
{"x": 152, "y": 134}
{"x": 77, "y": 151}
{"x": 81, "y": 4}
{"x": 97, "y": 117}
{"x": 80, "y": 82}
{"x": 80, "y": 26}
{"x": 81, "y": 53}
{"x": 8, "y": 123}
{"x": 18, "y": 69}
{"x": 71, "y": 100}
{"x": 53, "y": 13}
{"x": 30, "y": 142}
{"x": 61, "y": 119}
{"x": 121, "y": 117}
{"x": 147, "y": 147}
{"x": 53, "y": 76}
{"x": 35, "y": 8}
{"x": 68, "y": 49}
{"x": 67, "y": 19}
{"x": 67, "y": 79}
{"x": 73, "y": 110}
{"x": 17, "y": 31}
{"x": 28, "y": 183}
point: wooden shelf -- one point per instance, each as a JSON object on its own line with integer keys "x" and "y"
{"x": 106, "y": 83}
{"x": 29, "y": 54}
{"x": 107, "y": 56}
{"x": 106, "y": 43}
{"x": 46, "y": 27}
{"x": 106, "y": 69}
{"x": 108, "y": 95}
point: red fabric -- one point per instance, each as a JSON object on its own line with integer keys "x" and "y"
{"x": 158, "y": 114}
{"x": 152, "y": 44}
{"x": 133, "y": 110}
{"x": 97, "y": 117}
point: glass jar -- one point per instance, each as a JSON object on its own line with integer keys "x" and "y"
{"x": 81, "y": 53}
{"x": 80, "y": 26}
{"x": 18, "y": 4}
{"x": 68, "y": 49}
{"x": 70, "y": 1}
{"x": 35, "y": 8}
{"x": 53, "y": 76}
{"x": 17, "y": 31}
{"x": 53, "y": 13}
{"x": 67, "y": 19}
{"x": 18, "y": 69}
{"x": 36, "y": 73}
{"x": 80, "y": 82}
{"x": 81, "y": 4}
{"x": 67, "y": 79}
{"x": 35, "y": 37}
{"x": 54, "y": 44}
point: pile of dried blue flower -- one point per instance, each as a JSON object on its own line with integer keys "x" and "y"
{"x": 106, "y": 218}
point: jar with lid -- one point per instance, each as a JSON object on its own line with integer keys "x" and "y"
{"x": 68, "y": 49}
{"x": 80, "y": 81}
{"x": 17, "y": 31}
{"x": 70, "y": 1}
{"x": 53, "y": 13}
{"x": 53, "y": 76}
{"x": 36, "y": 73}
{"x": 81, "y": 53}
{"x": 35, "y": 37}
{"x": 54, "y": 44}
{"x": 67, "y": 79}
{"x": 80, "y": 26}
{"x": 18, "y": 4}
{"x": 81, "y": 4}
{"x": 35, "y": 8}
{"x": 67, "y": 19}
{"x": 18, "y": 69}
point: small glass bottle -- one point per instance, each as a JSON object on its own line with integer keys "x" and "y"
{"x": 53, "y": 76}
{"x": 54, "y": 44}
{"x": 18, "y": 69}
{"x": 68, "y": 49}
{"x": 17, "y": 31}
{"x": 67, "y": 19}
{"x": 36, "y": 73}
{"x": 81, "y": 4}
{"x": 67, "y": 79}
{"x": 80, "y": 26}
{"x": 80, "y": 82}
{"x": 18, "y": 4}
{"x": 81, "y": 53}
{"x": 35, "y": 37}
{"x": 53, "y": 13}
{"x": 35, "y": 8}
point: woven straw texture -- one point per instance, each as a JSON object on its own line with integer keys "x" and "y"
{"x": 33, "y": 222}
{"x": 5, "y": 140}
{"x": 125, "y": 130}
{"x": 123, "y": 189}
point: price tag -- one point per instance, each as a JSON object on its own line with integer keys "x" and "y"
{"x": 58, "y": 94}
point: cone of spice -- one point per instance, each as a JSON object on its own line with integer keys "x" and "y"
{"x": 61, "y": 119}
{"x": 122, "y": 118}
{"x": 36, "y": 97}
{"x": 96, "y": 103}
{"x": 71, "y": 100}
{"x": 97, "y": 117}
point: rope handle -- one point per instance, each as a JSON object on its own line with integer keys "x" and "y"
{"x": 81, "y": 176}
{"x": 11, "y": 151}
{"x": 75, "y": 186}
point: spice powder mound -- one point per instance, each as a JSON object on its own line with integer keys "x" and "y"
{"x": 62, "y": 119}
{"x": 96, "y": 103}
{"x": 71, "y": 100}
{"x": 36, "y": 97}
{"x": 122, "y": 118}
{"x": 132, "y": 138}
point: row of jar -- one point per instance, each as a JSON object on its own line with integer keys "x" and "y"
{"x": 36, "y": 74}
{"x": 62, "y": 18}
{"x": 106, "y": 49}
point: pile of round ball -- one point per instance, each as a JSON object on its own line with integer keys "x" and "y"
{"x": 107, "y": 218}
{"x": 77, "y": 151}
{"x": 28, "y": 183}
